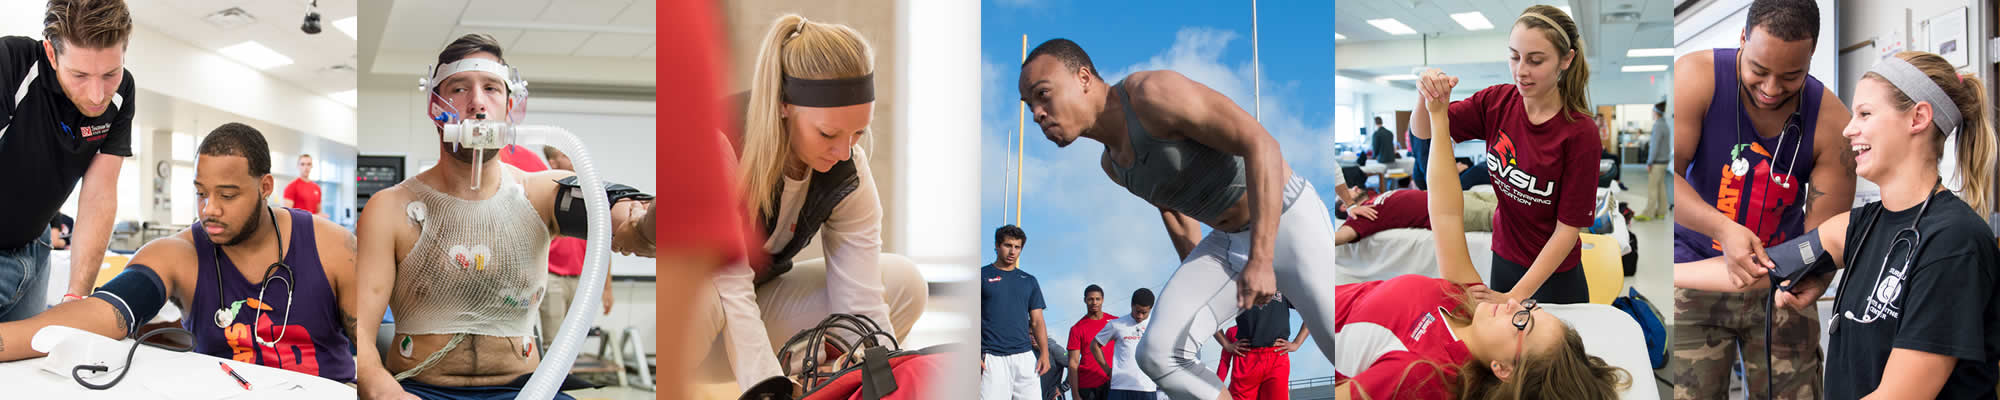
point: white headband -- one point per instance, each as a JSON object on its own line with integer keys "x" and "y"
{"x": 500, "y": 71}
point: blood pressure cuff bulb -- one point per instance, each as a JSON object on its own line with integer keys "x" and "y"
{"x": 137, "y": 293}
{"x": 1799, "y": 258}
{"x": 570, "y": 212}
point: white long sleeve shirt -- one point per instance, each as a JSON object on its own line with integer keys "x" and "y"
{"x": 851, "y": 240}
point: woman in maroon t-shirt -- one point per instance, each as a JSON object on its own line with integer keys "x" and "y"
{"x": 1419, "y": 338}
{"x": 1542, "y": 149}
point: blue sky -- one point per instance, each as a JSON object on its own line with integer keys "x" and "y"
{"x": 1084, "y": 229}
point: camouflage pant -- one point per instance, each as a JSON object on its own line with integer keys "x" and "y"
{"x": 1711, "y": 329}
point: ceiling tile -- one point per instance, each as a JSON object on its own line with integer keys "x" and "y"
{"x": 548, "y": 43}
{"x": 614, "y": 45}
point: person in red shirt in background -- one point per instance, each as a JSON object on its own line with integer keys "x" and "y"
{"x": 565, "y": 253}
{"x": 1258, "y": 352}
{"x": 1090, "y": 381}
{"x": 302, "y": 193}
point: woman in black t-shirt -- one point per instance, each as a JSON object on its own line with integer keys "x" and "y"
{"x": 1916, "y": 312}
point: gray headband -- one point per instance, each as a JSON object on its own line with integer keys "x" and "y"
{"x": 1920, "y": 88}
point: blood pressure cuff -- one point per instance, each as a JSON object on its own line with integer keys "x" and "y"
{"x": 1799, "y": 258}
{"x": 571, "y": 214}
{"x": 137, "y": 293}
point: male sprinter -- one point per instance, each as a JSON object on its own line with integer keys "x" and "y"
{"x": 67, "y": 102}
{"x": 1757, "y": 140}
{"x": 1200, "y": 159}
{"x": 1088, "y": 379}
{"x": 225, "y": 275}
{"x": 466, "y": 267}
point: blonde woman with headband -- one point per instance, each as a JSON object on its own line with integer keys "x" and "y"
{"x": 1542, "y": 150}
{"x": 806, "y": 175}
{"x": 1916, "y": 313}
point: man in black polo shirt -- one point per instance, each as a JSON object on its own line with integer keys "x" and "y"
{"x": 65, "y": 116}
{"x": 1258, "y": 354}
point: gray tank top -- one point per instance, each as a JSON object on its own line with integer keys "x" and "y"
{"x": 1181, "y": 175}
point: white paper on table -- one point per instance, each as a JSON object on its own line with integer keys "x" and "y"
{"x": 69, "y": 347}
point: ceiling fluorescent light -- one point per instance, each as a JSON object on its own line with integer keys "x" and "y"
{"x": 1654, "y": 52}
{"x": 1644, "y": 68}
{"x": 1392, "y": 26}
{"x": 1472, "y": 21}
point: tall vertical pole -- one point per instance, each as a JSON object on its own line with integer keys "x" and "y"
{"x": 1022, "y": 136}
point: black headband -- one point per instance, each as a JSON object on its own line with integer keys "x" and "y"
{"x": 830, "y": 92}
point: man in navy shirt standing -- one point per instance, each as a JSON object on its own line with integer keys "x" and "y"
{"x": 1010, "y": 324}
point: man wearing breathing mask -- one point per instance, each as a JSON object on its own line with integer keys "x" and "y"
{"x": 460, "y": 251}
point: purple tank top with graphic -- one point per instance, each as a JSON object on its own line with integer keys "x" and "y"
{"x": 1758, "y": 182}
{"x": 312, "y": 342}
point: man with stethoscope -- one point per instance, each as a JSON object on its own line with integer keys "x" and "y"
{"x": 1757, "y": 140}
{"x": 258, "y": 283}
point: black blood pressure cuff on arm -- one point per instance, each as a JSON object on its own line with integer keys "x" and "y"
{"x": 1799, "y": 258}
{"x": 571, "y": 214}
{"x": 137, "y": 293}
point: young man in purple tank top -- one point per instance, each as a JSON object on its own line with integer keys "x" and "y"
{"x": 1757, "y": 140}
{"x": 223, "y": 275}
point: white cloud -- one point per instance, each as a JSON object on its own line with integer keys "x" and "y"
{"x": 1197, "y": 53}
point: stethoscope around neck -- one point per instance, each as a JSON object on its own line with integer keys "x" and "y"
{"x": 224, "y": 315}
{"x": 1740, "y": 166}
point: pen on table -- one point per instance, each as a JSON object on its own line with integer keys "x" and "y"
{"x": 232, "y": 374}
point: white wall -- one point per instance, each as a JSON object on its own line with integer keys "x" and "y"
{"x": 153, "y": 134}
{"x": 1866, "y": 20}
{"x": 187, "y": 89}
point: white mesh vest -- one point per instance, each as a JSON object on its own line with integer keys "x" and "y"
{"x": 478, "y": 267}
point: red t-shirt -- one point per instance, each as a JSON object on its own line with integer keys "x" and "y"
{"x": 304, "y": 195}
{"x": 1394, "y": 210}
{"x": 1394, "y": 324}
{"x": 1088, "y": 374}
{"x": 1543, "y": 173}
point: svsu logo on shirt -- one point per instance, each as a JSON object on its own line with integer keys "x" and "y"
{"x": 995, "y": 278}
{"x": 1509, "y": 170}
